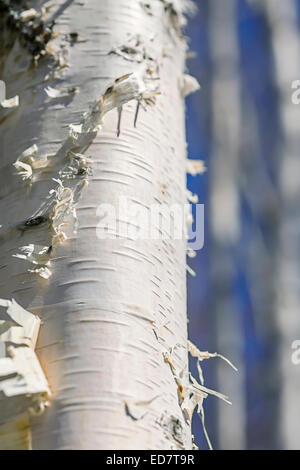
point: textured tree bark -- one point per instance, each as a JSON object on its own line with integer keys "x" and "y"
{"x": 101, "y": 344}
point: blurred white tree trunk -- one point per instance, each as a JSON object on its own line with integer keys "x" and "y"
{"x": 282, "y": 18}
{"x": 225, "y": 216}
{"x": 106, "y": 304}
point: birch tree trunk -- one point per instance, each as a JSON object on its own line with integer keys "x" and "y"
{"x": 111, "y": 307}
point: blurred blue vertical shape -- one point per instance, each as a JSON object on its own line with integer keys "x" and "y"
{"x": 253, "y": 285}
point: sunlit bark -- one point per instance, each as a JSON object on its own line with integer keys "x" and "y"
{"x": 111, "y": 307}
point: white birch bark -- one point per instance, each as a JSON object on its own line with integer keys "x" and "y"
{"x": 111, "y": 387}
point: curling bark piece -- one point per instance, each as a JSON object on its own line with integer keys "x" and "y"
{"x": 23, "y": 386}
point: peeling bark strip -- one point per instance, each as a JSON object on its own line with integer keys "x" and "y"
{"x": 23, "y": 387}
{"x": 28, "y": 25}
{"x": 100, "y": 301}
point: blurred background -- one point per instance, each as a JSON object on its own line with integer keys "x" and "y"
{"x": 245, "y": 301}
